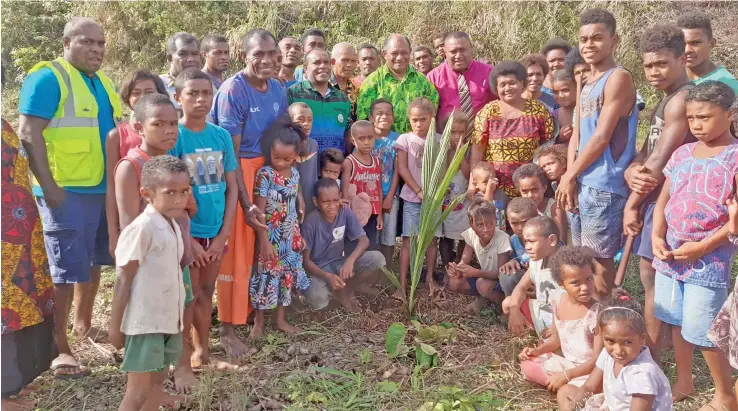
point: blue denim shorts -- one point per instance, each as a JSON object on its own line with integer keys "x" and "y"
{"x": 73, "y": 237}
{"x": 692, "y": 307}
{"x": 642, "y": 244}
{"x": 411, "y": 219}
{"x": 599, "y": 224}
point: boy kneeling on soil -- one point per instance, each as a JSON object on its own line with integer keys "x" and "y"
{"x": 492, "y": 248}
{"x": 325, "y": 232}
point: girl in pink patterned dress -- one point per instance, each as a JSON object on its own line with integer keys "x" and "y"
{"x": 573, "y": 328}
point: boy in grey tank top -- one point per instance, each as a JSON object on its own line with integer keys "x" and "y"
{"x": 664, "y": 64}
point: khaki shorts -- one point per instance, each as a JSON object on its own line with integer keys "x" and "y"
{"x": 318, "y": 294}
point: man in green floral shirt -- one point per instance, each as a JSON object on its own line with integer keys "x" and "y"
{"x": 397, "y": 82}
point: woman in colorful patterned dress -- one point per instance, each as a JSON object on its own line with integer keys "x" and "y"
{"x": 508, "y": 131}
{"x": 27, "y": 293}
{"x": 279, "y": 267}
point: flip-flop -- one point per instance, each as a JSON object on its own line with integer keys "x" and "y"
{"x": 83, "y": 371}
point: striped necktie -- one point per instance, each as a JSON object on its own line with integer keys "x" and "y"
{"x": 466, "y": 105}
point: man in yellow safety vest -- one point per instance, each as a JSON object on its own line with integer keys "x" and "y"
{"x": 67, "y": 107}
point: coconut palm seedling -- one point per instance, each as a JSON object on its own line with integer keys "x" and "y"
{"x": 436, "y": 178}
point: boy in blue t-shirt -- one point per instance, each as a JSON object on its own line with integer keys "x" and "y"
{"x": 519, "y": 211}
{"x": 208, "y": 152}
{"x": 382, "y": 117}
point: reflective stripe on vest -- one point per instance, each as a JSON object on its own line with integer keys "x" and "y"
{"x": 74, "y": 146}
{"x": 70, "y": 118}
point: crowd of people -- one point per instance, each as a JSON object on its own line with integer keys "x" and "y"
{"x": 294, "y": 178}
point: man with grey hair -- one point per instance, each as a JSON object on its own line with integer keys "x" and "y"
{"x": 67, "y": 107}
{"x": 395, "y": 81}
{"x": 345, "y": 62}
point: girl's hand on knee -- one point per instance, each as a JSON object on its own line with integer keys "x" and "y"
{"x": 556, "y": 381}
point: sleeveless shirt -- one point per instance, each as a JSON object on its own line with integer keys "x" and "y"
{"x": 607, "y": 173}
{"x": 367, "y": 179}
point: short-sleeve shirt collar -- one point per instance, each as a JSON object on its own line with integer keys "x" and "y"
{"x": 385, "y": 72}
{"x": 159, "y": 220}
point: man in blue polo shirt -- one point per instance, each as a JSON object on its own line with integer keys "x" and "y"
{"x": 66, "y": 154}
{"x": 331, "y": 107}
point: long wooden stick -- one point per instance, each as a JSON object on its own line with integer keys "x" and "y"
{"x": 627, "y": 249}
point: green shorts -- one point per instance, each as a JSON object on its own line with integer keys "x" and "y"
{"x": 187, "y": 280}
{"x": 151, "y": 352}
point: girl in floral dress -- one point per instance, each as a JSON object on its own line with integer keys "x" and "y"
{"x": 277, "y": 192}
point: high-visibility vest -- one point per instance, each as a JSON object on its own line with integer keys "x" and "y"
{"x": 73, "y": 145}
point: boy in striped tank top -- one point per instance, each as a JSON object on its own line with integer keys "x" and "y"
{"x": 156, "y": 122}
{"x": 593, "y": 189}
{"x": 363, "y": 170}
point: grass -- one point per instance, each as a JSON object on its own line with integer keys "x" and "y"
{"x": 339, "y": 362}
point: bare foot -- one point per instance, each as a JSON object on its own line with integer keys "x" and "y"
{"x": 399, "y": 295}
{"x": 286, "y": 327}
{"x": 721, "y": 404}
{"x": 367, "y": 289}
{"x": 17, "y": 404}
{"x": 233, "y": 346}
{"x": 98, "y": 335}
{"x": 348, "y": 301}
{"x": 224, "y": 365}
{"x": 476, "y": 307}
{"x": 199, "y": 358}
{"x": 257, "y": 330}
{"x": 184, "y": 380}
{"x": 169, "y": 400}
{"x": 681, "y": 391}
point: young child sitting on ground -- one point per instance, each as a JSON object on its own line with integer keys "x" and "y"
{"x": 552, "y": 159}
{"x": 363, "y": 170}
{"x": 693, "y": 257}
{"x": 531, "y": 181}
{"x": 410, "y": 148}
{"x": 457, "y": 220}
{"x": 541, "y": 238}
{"x": 483, "y": 183}
{"x": 519, "y": 211}
{"x": 572, "y": 331}
{"x": 307, "y": 159}
{"x": 382, "y": 118}
{"x": 491, "y": 246}
{"x": 156, "y": 123}
{"x": 565, "y": 93}
{"x": 279, "y": 269}
{"x": 629, "y": 377}
{"x": 331, "y": 269}
{"x": 151, "y": 326}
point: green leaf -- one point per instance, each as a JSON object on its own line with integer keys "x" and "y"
{"x": 395, "y": 339}
{"x": 446, "y": 324}
{"x": 316, "y": 397}
{"x": 387, "y": 386}
{"x": 365, "y": 356}
{"x": 426, "y": 356}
